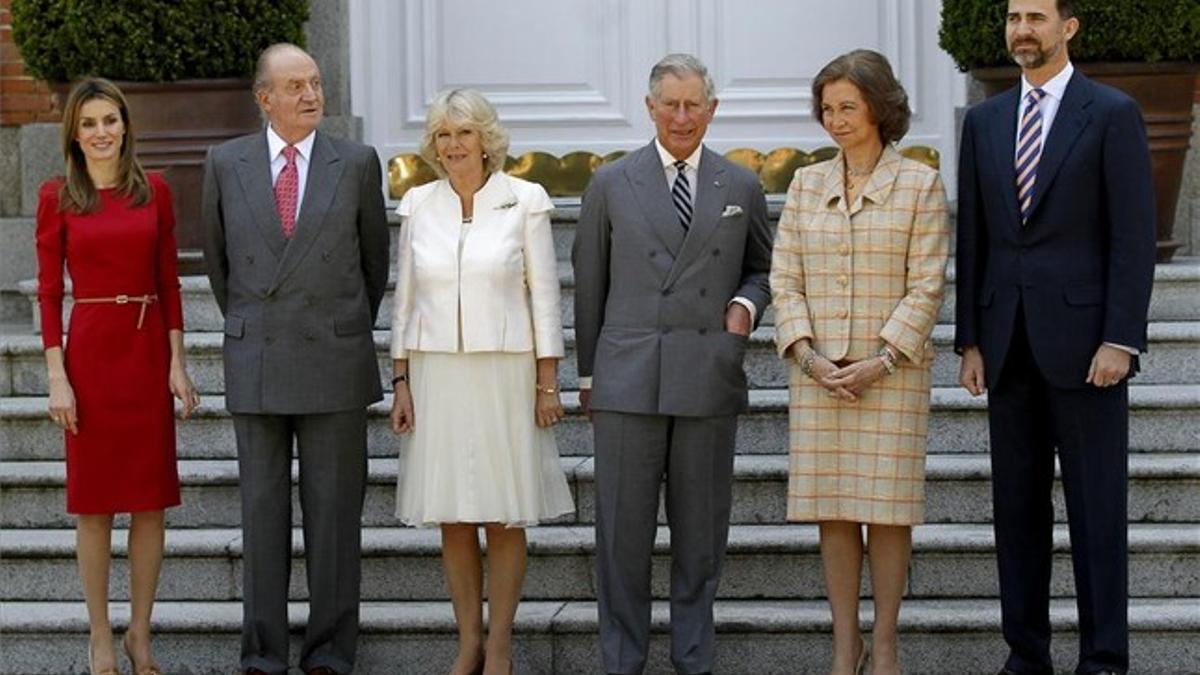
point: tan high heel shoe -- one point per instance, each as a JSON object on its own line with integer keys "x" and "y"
{"x": 151, "y": 669}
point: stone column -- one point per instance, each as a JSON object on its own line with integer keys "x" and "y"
{"x": 1187, "y": 213}
{"x": 328, "y": 33}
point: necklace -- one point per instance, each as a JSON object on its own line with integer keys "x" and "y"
{"x": 854, "y": 175}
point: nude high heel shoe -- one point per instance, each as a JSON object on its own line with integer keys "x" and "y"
{"x": 151, "y": 669}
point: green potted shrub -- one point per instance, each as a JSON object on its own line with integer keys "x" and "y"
{"x": 185, "y": 66}
{"x": 1148, "y": 48}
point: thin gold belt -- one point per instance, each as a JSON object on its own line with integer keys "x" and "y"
{"x": 143, "y": 300}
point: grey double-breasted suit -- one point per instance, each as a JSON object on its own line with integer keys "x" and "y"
{"x": 300, "y": 366}
{"x": 667, "y": 384}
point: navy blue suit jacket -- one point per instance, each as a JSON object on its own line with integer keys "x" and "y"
{"x": 1083, "y": 265}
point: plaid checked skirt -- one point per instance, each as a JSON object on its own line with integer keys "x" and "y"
{"x": 863, "y": 461}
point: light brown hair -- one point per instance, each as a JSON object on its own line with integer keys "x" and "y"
{"x": 78, "y": 193}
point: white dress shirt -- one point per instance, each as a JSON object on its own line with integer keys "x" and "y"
{"x": 275, "y": 146}
{"x": 1055, "y": 87}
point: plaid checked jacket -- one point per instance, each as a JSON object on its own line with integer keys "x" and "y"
{"x": 850, "y": 278}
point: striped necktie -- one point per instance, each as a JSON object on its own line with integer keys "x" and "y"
{"x": 681, "y": 194}
{"x": 1029, "y": 150}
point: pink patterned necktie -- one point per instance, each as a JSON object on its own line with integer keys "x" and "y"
{"x": 287, "y": 192}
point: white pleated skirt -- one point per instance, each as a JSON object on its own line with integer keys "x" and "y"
{"x": 475, "y": 454}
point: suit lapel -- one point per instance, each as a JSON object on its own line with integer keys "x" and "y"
{"x": 324, "y": 171}
{"x": 711, "y": 188}
{"x": 1003, "y": 138}
{"x": 649, "y": 181}
{"x": 254, "y": 173}
{"x": 1069, "y": 122}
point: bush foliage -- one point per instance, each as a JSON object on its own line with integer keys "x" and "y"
{"x": 972, "y": 31}
{"x": 151, "y": 40}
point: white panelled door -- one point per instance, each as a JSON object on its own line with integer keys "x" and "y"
{"x": 571, "y": 75}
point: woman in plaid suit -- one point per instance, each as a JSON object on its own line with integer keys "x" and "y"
{"x": 857, "y": 280}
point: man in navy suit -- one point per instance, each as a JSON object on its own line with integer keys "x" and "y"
{"x": 1055, "y": 264}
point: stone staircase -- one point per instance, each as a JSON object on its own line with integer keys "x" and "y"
{"x": 771, "y": 616}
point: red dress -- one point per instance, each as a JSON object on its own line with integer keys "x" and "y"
{"x": 123, "y": 458}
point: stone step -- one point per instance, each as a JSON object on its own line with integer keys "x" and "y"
{"x": 781, "y": 562}
{"x": 1162, "y": 489}
{"x": 1162, "y": 417}
{"x": 938, "y": 637}
{"x": 1176, "y": 298}
{"x": 1171, "y": 359}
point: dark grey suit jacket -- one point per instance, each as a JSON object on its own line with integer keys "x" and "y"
{"x": 650, "y": 302}
{"x": 299, "y": 312}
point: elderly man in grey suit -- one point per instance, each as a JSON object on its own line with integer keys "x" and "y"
{"x": 671, "y": 260}
{"x": 296, "y": 243}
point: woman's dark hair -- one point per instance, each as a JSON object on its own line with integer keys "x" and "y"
{"x": 872, "y": 74}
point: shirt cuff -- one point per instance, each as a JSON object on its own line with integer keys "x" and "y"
{"x": 1128, "y": 350}
{"x": 745, "y": 302}
{"x": 585, "y": 382}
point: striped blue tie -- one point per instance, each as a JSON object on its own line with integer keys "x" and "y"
{"x": 1029, "y": 151}
{"x": 681, "y": 194}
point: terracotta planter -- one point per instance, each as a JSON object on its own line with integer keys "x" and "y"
{"x": 1165, "y": 92}
{"x": 176, "y": 122}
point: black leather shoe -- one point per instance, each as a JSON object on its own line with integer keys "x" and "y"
{"x": 322, "y": 670}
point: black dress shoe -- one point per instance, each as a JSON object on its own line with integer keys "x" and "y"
{"x": 322, "y": 670}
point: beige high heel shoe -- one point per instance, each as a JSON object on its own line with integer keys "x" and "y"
{"x": 151, "y": 669}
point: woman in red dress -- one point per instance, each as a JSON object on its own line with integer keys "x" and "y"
{"x": 113, "y": 227}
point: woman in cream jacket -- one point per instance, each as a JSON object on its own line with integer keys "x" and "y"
{"x": 476, "y": 338}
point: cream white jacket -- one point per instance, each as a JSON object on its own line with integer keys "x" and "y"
{"x": 502, "y": 293}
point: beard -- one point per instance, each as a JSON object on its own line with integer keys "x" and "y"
{"x": 1031, "y": 58}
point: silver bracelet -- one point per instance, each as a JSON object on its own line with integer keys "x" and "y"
{"x": 888, "y": 358}
{"x": 806, "y": 361}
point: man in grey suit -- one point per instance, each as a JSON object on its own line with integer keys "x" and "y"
{"x": 296, "y": 243}
{"x": 671, "y": 258}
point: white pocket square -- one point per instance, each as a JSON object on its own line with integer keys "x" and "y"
{"x": 731, "y": 210}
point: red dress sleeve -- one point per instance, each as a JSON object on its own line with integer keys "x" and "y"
{"x": 51, "y": 238}
{"x": 168, "y": 276}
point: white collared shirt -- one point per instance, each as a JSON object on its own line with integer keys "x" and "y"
{"x": 1055, "y": 87}
{"x": 692, "y": 170}
{"x": 275, "y": 146}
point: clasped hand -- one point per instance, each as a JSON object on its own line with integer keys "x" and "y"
{"x": 848, "y": 382}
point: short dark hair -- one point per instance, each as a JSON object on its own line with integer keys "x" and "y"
{"x": 1066, "y": 8}
{"x": 872, "y": 74}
